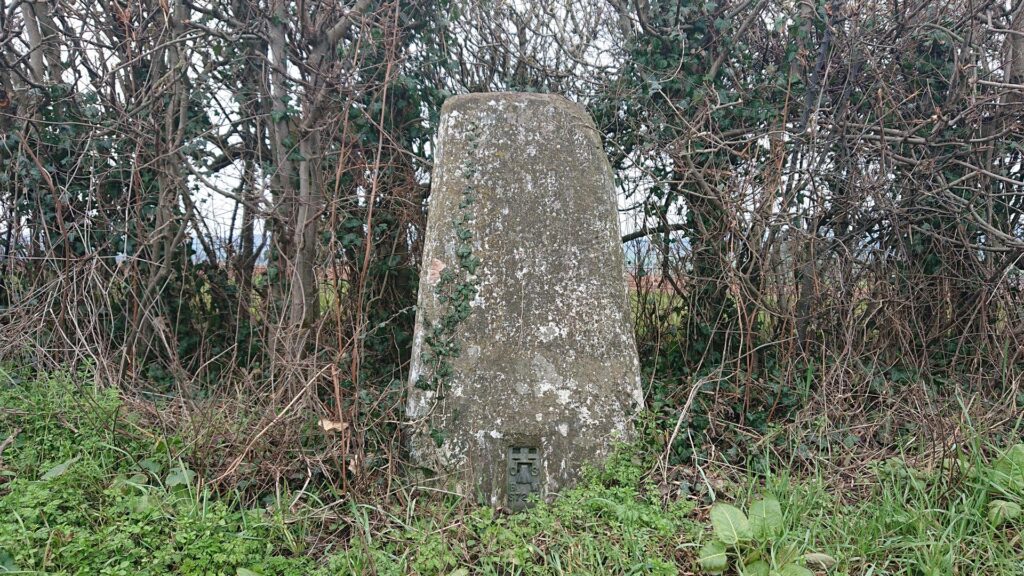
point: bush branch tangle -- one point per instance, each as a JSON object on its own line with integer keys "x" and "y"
{"x": 219, "y": 205}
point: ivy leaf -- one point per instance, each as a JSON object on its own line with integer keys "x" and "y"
{"x": 278, "y": 115}
{"x": 730, "y": 524}
{"x": 437, "y": 436}
{"x": 712, "y": 558}
{"x": 1001, "y": 511}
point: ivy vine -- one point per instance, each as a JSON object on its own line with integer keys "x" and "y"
{"x": 456, "y": 288}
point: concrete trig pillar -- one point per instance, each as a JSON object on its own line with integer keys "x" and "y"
{"x": 524, "y": 365}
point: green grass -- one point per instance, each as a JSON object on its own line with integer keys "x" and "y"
{"x": 912, "y": 522}
{"x": 83, "y": 490}
{"x": 86, "y": 488}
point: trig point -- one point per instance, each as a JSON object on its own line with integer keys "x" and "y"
{"x": 524, "y": 366}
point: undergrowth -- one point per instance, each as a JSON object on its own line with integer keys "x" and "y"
{"x": 86, "y": 488}
{"x": 83, "y": 490}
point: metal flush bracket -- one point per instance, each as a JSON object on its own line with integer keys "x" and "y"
{"x": 523, "y": 476}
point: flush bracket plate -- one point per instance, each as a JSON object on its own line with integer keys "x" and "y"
{"x": 523, "y": 476}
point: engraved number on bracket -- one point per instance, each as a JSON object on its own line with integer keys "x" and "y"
{"x": 523, "y": 476}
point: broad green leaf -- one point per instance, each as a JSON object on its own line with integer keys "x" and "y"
{"x": 766, "y": 517}
{"x": 1012, "y": 458}
{"x": 758, "y": 568}
{"x": 1009, "y": 468}
{"x": 712, "y": 558}
{"x": 246, "y": 572}
{"x": 459, "y": 572}
{"x": 142, "y": 504}
{"x": 59, "y": 470}
{"x": 1001, "y": 511}
{"x": 730, "y": 524}
{"x": 7, "y": 562}
{"x": 819, "y": 560}
{"x": 794, "y": 570}
{"x": 181, "y": 476}
{"x": 151, "y": 466}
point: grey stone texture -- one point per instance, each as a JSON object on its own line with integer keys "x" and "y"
{"x": 523, "y": 335}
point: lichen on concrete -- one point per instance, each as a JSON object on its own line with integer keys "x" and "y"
{"x": 545, "y": 355}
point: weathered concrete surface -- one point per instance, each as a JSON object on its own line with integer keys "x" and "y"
{"x": 545, "y": 357}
